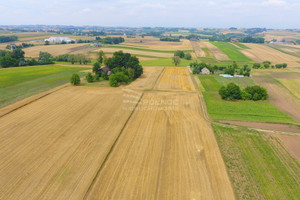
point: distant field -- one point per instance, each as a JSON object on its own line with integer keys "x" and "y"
{"x": 165, "y": 62}
{"x": 242, "y": 46}
{"x": 19, "y": 83}
{"x": 231, "y": 51}
{"x": 238, "y": 110}
{"x": 259, "y": 166}
{"x": 150, "y": 50}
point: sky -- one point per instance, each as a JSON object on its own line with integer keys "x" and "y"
{"x": 277, "y": 14}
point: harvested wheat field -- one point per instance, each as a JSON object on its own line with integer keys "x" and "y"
{"x": 156, "y": 44}
{"x": 198, "y": 50}
{"x": 167, "y": 151}
{"x": 175, "y": 78}
{"x": 147, "y": 79}
{"x": 138, "y": 52}
{"x": 217, "y": 53}
{"x": 52, "y": 148}
{"x": 56, "y": 50}
{"x": 260, "y": 53}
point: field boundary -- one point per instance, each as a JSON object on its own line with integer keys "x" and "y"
{"x": 20, "y": 104}
{"x": 111, "y": 149}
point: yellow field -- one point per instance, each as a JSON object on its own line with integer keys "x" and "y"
{"x": 175, "y": 78}
{"x": 198, "y": 50}
{"x": 260, "y": 53}
{"x": 52, "y": 148}
{"x": 167, "y": 151}
{"x": 147, "y": 79}
{"x": 156, "y": 44}
{"x": 56, "y": 50}
{"x": 280, "y": 35}
{"x": 93, "y": 143}
{"x": 146, "y": 53}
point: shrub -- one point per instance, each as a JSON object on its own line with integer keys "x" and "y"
{"x": 75, "y": 79}
{"x": 257, "y": 92}
{"x": 245, "y": 95}
{"x": 89, "y": 78}
{"x": 180, "y": 54}
{"x": 230, "y": 92}
{"x": 188, "y": 56}
{"x": 256, "y": 66}
{"x": 116, "y": 79}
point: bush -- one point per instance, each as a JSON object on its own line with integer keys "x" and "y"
{"x": 256, "y": 92}
{"x": 180, "y": 54}
{"x": 118, "y": 78}
{"x": 245, "y": 95}
{"x": 230, "y": 92}
{"x": 75, "y": 79}
{"x": 89, "y": 78}
{"x": 256, "y": 66}
{"x": 188, "y": 56}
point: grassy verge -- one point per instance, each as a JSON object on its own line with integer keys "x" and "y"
{"x": 282, "y": 51}
{"x": 259, "y": 166}
{"x": 141, "y": 49}
{"x": 19, "y": 83}
{"x": 232, "y": 51}
{"x": 219, "y": 109}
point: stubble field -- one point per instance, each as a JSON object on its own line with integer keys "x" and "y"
{"x": 93, "y": 145}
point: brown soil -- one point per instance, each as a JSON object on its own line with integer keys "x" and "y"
{"x": 291, "y": 143}
{"x": 267, "y": 126}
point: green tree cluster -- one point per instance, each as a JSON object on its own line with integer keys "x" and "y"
{"x": 75, "y": 79}
{"x": 233, "y": 92}
{"x": 73, "y": 58}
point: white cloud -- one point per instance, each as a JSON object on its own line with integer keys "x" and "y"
{"x": 274, "y": 3}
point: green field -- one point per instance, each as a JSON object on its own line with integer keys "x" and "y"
{"x": 141, "y": 49}
{"x": 19, "y": 83}
{"x": 165, "y": 62}
{"x": 219, "y": 109}
{"x": 242, "y": 46}
{"x": 259, "y": 166}
{"x": 232, "y": 51}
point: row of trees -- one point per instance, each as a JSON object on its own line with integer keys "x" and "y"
{"x": 16, "y": 58}
{"x": 73, "y": 58}
{"x": 250, "y": 39}
{"x": 267, "y": 65}
{"x": 169, "y": 39}
{"x": 180, "y": 54}
{"x": 233, "y": 92}
{"x": 21, "y": 46}
{"x": 4, "y": 39}
{"x": 110, "y": 40}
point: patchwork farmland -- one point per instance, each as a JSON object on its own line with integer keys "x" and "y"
{"x": 169, "y": 146}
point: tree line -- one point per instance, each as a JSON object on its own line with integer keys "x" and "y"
{"x": 110, "y": 40}
{"x": 4, "y": 39}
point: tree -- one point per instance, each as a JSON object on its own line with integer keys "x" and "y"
{"x": 176, "y": 60}
{"x": 230, "y": 92}
{"x": 18, "y": 54}
{"x": 256, "y": 66}
{"x": 45, "y": 58}
{"x": 89, "y": 77}
{"x": 72, "y": 58}
{"x": 179, "y": 53}
{"x": 256, "y": 92}
{"x": 118, "y": 78}
{"x": 8, "y": 61}
{"x": 96, "y": 67}
{"x": 75, "y": 79}
{"x": 100, "y": 56}
{"x": 47, "y": 42}
{"x": 188, "y": 56}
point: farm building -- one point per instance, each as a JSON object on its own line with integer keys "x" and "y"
{"x": 105, "y": 70}
{"x": 59, "y": 39}
{"x": 205, "y": 71}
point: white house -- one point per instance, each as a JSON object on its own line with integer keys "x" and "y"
{"x": 59, "y": 39}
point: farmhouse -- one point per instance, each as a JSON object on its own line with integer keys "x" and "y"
{"x": 59, "y": 39}
{"x": 105, "y": 70}
{"x": 205, "y": 71}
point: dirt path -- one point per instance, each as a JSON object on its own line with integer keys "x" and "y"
{"x": 265, "y": 126}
